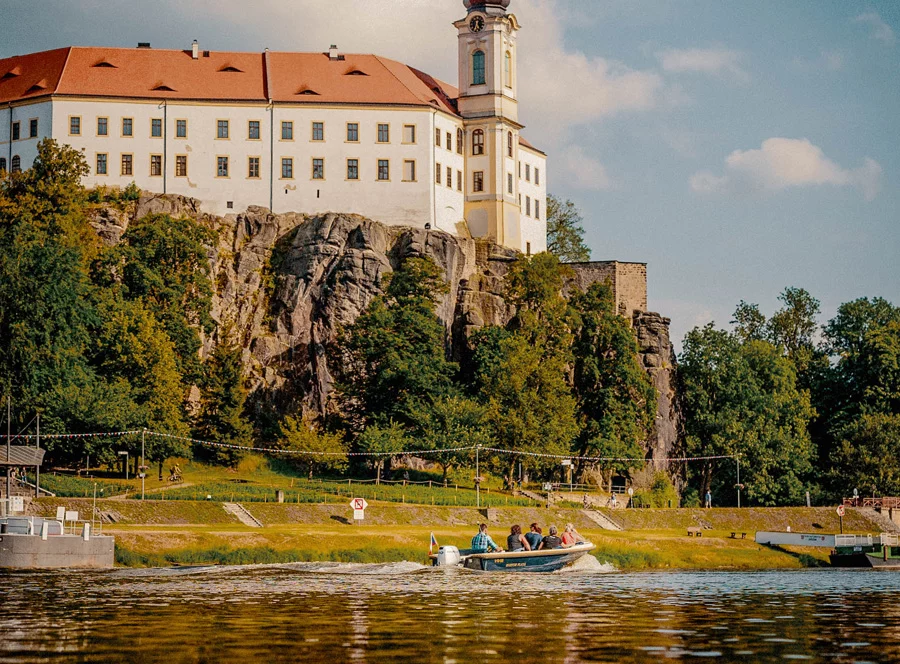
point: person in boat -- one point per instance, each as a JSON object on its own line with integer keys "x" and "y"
{"x": 571, "y": 536}
{"x": 551, "y": 541}
{"x": 482, "y": 542}
{"x": 534, "y": 537}
{"x": 516, "y": 541}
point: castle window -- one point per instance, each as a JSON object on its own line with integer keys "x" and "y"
{"x": 33, "y": 128}
{"x": 509, "y": 183}
{"x": 528, "y": 248}
{"x": 287, "y": 131}
{"x": 437, "y": 173}
{"x": 449, "y": 177}
{"x": 478, "y": 68}
{"x": 221, "y": 167}
{"x": 102, "y": 127}
{"x": 253, "y": 167}
{"x": 127, "y": 127}
{"x": 478, "y": 181}
{"x": 287, "y": 168}
{"x": 155, "y": 165}
{"x": 16, "y": 166}
{"x": 127, "y": 164}
{"x": 459, "y": 141}
{"x": 318, "y": 169}
{"x": 2, "y": 165}
{"x": 409, "y": 133}
{"x": 353, "y": 132}
{"x": 222, "y": 131}
{"x": 509, "y": 144}
{"x": 180, "y": 128}
{"x": 459, "y": 184}
{"x": 478, "y": 142}
{"x": 181, "y": 166}
{"x": 156, "y": 128}
{"x": 353, "y": 169}
{"x": 318, "y": 131}
{"x": 507, "y": 69}
{"x": 384, "y": 133}
{"x": 437, "y": 137}
{"x": 15, "y": 131}
{"x": 537, "y": 209}
{"x": 101, "y": 164}
{"x": 528, "y": 172}
{"x": 449, "y": 141}
{"x": 537, "y": 176}
{"x": 409, "y": 171}
{"x": 528, "y": 206}
{"x": 75, "y": 126}
{"x": 384, "y": 170}
{"x": 253, "y": 130}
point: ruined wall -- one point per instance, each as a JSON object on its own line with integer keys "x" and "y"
{"x": 628, "y": 281}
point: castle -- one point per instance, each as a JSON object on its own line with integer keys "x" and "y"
{"x": 308, "y": 132}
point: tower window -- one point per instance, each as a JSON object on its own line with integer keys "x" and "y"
{"x": 507, "y": 69}
{"x": 478, "y": 142}
{"x": 509, "y": 144}
{"x": 478, "y": 181}
{"x": 459, "y": 141}
{"x": 509, "y": 183}
{"x": 478, "y": 68}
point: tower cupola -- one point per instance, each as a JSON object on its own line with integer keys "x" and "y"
{"x": 486, "y": 5}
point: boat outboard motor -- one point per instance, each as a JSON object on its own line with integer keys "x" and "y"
{"x": 448, "y": 556}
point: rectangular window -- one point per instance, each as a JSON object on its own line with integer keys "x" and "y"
{"x": 409, "y": 170}
{"x": 180, "y": 128}
{"x": 449, "y": 141}
{"x": 409, "y": 133}
{"x": 101, "y": 164}
{"x": 537, "y": 209}
{"x": 459, "y": 141}
{"x": 384, "y": 133}
{"x": 181, "y": 166}
{"x": 15, "y": 131}
{"x": 537, "y": 175}
{"x": 528, "y": 206}
{"x": 221, "y": 129}
{"x": 528, "y": 248}
{"x": 155, "y": 164}
{"x": 318, "y": 131}
{"x": 352, "y": 132}
{"x": 253, "y": 167}
{"x": 33, "y": 128}
{"x": 253, "y": 130}
{"x": 156, "y": 128}
{"x": 287, "y": 131}
{"x": 75, "y": 126}
{"x": 353, "y": 169}
{"x": 287, "y": 168}
{"x": 318, "y": 169}
{"x": 449, "y": 177}
{"x": 437, "y": 137}
{"x": 459, "y": 184}
{"x": 509, "y": 183}
{"x": 384, "y": 169}
{"x": 528, "y": 172}
{"x": 222, "y": 167}
{"x": 437, "y": 173}
{"x": 478, "y": 142}
{"x": 478, "y": 181}
{"x": 127, "y": 127}
{"x": 102, "y": 127}
{"x": 127, "y": 164}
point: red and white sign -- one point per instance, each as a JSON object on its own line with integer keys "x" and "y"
{"x": 840, "y": 510}
{"x": 359, "y": 506}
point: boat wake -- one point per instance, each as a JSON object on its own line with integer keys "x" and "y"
{"x": 588, "y": 565}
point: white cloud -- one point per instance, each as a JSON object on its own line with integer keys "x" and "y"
{"x": 880, "y": 30}
{"x": 582, "y": 170}
{"x": 781, "y": 163}
{"x": 716, "y": 61}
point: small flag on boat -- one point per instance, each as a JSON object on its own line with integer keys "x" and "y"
{"x": 432, "y": 545}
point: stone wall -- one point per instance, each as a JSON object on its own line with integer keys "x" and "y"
{"x": 628, "y": 281}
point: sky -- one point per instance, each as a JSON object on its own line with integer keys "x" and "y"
{"x": 738, "y": 148}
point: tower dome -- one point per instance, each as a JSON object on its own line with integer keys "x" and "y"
{"x": 472, "y": 5}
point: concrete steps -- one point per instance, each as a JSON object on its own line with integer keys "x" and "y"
{"x": 880, "y": 518}
{"x": 243, "y": 515}
{"x": 601, "y": 520}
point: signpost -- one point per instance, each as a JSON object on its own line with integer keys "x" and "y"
{"x": 567, "y": 464}
{"x": 359, "y": 506}
{"x": 840, "y": 511}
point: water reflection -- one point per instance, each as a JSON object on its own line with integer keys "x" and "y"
{"x": 386, "y": 613}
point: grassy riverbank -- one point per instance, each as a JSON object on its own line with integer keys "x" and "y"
{"x": 155, "y": 532}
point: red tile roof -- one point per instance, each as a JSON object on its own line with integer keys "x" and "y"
{"x": 26, "y": 76}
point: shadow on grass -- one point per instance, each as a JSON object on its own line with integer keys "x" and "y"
{"x": 804, "y": 559}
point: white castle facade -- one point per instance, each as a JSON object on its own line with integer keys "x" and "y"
{"x": 305, "y": 132}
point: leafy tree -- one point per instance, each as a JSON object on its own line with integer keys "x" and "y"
{"x": 866, "y": 454}
{"x": 323, "y": 450}
{"x": 793, "y": 327}
{"x": 223, "y": 396}
{"x": 616, "y": 398}
{"x": 565, "y": 234}
{"x": 750, "y": 323}
{"x": 394, "y": 354}
{"x": 449, "y": 423}
{"x": 382, "y": 441}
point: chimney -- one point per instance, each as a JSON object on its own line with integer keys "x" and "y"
{"x": 143, "y": 45}
{"x": 333, "y": 53}
{"x": 195, "y": 50}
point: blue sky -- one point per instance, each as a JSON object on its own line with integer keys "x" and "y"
{"x": 736, "y": 147}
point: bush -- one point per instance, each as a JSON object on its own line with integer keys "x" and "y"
{"x": 131, "y": 193}
{"x": 662, "y": 493}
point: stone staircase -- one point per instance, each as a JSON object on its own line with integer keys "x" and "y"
{"x": 601, "y": 520}
{"x": 883, "y": 521}
{"x": 243, "y": 515}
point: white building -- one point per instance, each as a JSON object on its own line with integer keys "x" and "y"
{"x": 306, "y": 132}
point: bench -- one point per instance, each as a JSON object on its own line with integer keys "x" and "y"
{"x": 695, "y": 532}
{"x": 734, "y": 535}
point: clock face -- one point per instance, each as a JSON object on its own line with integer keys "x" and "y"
{"x": 476, "y": 24}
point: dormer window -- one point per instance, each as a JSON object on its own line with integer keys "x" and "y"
{"x": 104, "y": 64}
{"x": 307, "y": 91}
{"x": 12, "y": 73}
{"x": 162, "y": 87}
{"x": 478, "y": 68}
{"x": 355, "y": 72}
{"x": 231, "y": 68}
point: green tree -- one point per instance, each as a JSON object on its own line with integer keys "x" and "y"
{"x": 750, "y": 323}
{"x": 450, "y": 423}
{"x": 223, "y": 396}
{"x": 382, "y": 441}
{"x": 793, "y": 327}
{"x": 321, "y": 449}
{"x": 565, "y": 234}
{"x": 616, "y": 398}
{"x": 865, "y": 456}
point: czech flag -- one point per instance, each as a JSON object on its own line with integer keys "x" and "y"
{"x": 432, "y": 545}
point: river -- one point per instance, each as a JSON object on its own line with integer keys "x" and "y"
{"x": 320, "y": 612}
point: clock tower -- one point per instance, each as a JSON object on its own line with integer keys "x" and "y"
{"x": 488, "y": 81}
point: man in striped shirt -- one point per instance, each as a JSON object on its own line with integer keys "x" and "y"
{"x": 482, "y": 542}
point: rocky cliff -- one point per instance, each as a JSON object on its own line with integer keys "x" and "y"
{"x": 287, "y": 283}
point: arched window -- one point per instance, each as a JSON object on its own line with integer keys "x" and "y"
{"x": 507, "y": 69}
{"x": 478, "y": 142}
{"x": 478, "y": 68}
{"x": 16, "y": 164}
{"x": 2, "y": 164}
{"x": 459, "y": 141}
{"x": 509, "y": 144}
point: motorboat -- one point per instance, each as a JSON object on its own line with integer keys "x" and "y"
{"x": 545, "y": 560}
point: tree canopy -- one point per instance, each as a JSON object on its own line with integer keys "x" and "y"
{"x": 565, "y": 233}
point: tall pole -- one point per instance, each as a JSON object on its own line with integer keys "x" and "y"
{"x": 8, "y": 453}
{"x": 37, "y": 466}
{"x": 143, "y": 472}
{"x": 477, "y": 479}
{"x": 738, "y": 459}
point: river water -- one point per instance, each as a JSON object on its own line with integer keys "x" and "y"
{"x": 318, "y": 612}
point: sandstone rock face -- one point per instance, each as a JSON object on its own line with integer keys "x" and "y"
{"x": 658, "y": 359}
